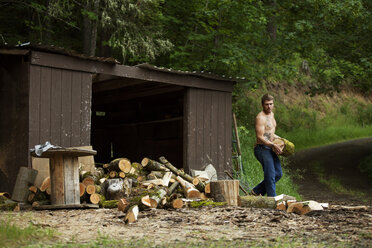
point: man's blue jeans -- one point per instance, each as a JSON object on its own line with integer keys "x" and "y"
{"x": 272, "y": 170}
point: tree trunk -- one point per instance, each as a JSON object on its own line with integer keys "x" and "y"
{"x": 271, "y": 24}
{"x": 225, "y": 191}
{"x": 90, "y": 28}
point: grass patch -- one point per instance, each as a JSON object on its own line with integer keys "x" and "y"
{"x": 333, "y": 182}
{"x": 12, "y": 235}
{"x": 308, "y": 138}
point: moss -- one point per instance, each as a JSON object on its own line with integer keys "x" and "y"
{"x": 204, "y": 203}
{"x": 110, "y": 204}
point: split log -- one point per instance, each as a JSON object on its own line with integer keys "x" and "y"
{"x": 281, "y": 206}
{"x": 45, "y": 184}
{"x": 152, "y": 165}
{"x": 207, "y": 188}
{"x": 304, "y": 207}
{"x": 146, "y": 201}
{"x": 25, "y": 178}
{"x": 225, "y": 191}
{"x": 189, "y": 189}
{"x": 132, "y": 214}
{"x": 200, "y": 186}
{"x": 155, "y": 200}
{"x": 123, "y": 204}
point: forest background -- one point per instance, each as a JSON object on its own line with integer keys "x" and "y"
{"x": 314, "y": 56}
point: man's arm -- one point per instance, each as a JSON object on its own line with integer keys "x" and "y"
{"x": 265, "y": 138}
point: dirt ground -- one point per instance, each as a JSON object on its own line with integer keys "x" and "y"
{"x": 248, "y": 226}
{"x": 331, "y": 227}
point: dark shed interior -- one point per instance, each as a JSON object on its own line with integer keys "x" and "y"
{"x": 136, "y": 119}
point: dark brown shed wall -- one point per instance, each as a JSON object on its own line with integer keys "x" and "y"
{"x": 13, "y": 119}
{"x": 207, "y": 130}
{"x": 60, "y": 106}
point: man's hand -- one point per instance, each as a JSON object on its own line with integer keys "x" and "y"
{"x": 276, "y": 149}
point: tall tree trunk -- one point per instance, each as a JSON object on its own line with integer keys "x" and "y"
{"x": 90, "y": 28}
{"x": 271, "y": 24}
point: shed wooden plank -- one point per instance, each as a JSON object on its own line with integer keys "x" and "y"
{"x": 221, "y": 133}
{"x": 207, "y": 128}
{"x": 71, "y": 63}
{"x": 199, "y": 128}
{"x": 56, "y": 106}
{"x": 214, "y": 129}
{"x": 86, "y": 101}
{"x": 75, "y": 108}
{"x": 45, "y": 104}
{"x": 34, "y": 105}
{"x": 66, "y": 109}
{"x": 190, "y": 147}
{"x": 228, "y": 135}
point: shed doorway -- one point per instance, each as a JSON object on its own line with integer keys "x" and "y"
{"x": 134, "y": 119}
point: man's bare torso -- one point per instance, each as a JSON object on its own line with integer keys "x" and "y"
{"x": 269, "y": 123}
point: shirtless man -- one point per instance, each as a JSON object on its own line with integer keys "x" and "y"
{"x": 265, "y": 150}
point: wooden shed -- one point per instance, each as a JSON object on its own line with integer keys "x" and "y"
{"x": 48, "y": 94}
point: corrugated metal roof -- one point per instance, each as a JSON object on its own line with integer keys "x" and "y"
{"x": 192, "y": 73}
{"x": 26, "y": 48}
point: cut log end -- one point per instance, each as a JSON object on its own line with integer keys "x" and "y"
{"x": 123, "y": 204}
{"x": 45, "y": 184}
{"x": 82, "y": 189}
{"x": 90, "y": 189}
{"x": 146, "y": 201}
{"x": 177, "y": 203}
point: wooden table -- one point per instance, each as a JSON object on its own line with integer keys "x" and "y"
{"x": 64, "y": 174}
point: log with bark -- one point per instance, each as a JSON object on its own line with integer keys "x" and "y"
{"x": 189, "y": 189}
{"x": 262, "y": 201}
{"x": 25, "y": 178}
{"x": 152, "y": 165}
{"x": 200, "y": 186}
{"x": 225, "y": 191}
{"x": 120, "y": 164}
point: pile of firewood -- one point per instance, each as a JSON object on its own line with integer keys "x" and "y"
{"x": 131, "y": 186}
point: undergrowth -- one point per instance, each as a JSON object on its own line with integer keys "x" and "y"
{"x": 12, "y": 235}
